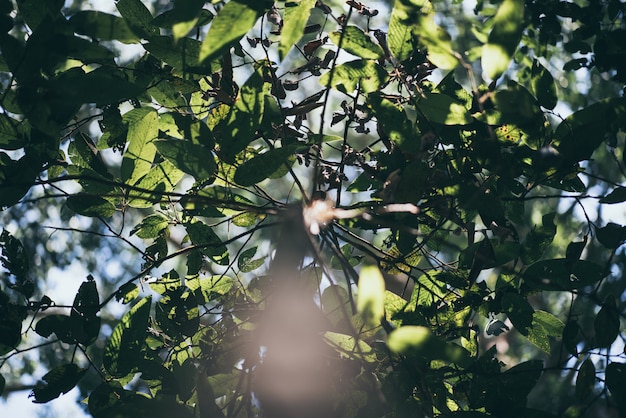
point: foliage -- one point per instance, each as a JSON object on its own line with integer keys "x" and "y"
{"x": 414, "y": 213}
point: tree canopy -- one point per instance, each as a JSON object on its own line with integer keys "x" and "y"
{"x": 315, "y": 208}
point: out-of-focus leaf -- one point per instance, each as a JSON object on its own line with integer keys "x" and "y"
{"x": 618, "y": 195}
{"x": 349, "y": 347}
{"x": 296, "y": 15}
{"x": 103, "y": 26}
{"x": 570, "y": 337}
{"x": 585, "y": 379}
{"x": 232, "y": 22}
{"x": 419, "y": 340}
{"x": 555, "y": 274}
{"x": 356, "y": 42}
{"x": 371, "y": 295}
{"x": 503, "y": 38}
{"x": 607, "y": 323}
{"x": 367, "y": 75}
{"x": 56, "y": 382}
{"x": 616, "y": 381}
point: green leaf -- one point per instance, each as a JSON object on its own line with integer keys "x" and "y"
{"x": 349, "y": 347}
{"x": 570, "y": 337}
{"x": 246, "y": 262}
{"x": 60, "y": 325}
{"x": 581, "y": 133}
{"x": 503, "y": 38}
{"x": 544, "y": 325}
{"x": 102, "y": 26}
{"x": 57, "y": 381}
{"x": 137, "y": 17}
{"x": 13, "y": 134}
{"x": 437, "y": 42}
{"x": 211, "y": 288}
{"x": 395, "y": 123}
{"x": 356, "y": 42}
{"x": 296, "y": 15}
{"x": 368, "y": 76}
{"x": 585, "y": 379}
{"x": 152, "y": 187}
{"x": 191, "y": 158}
{"x": 611, "y": 235}
{"x": 606, "y": 323}
{"x": 90, "y": 205}
{"x": 441, "y": 108}
{"x": 556, "y": 275}
{"x": 122, "y": 352}
{"x": 208, "y": 242}
{"x": 371, "y": 295}
{"x": 182, "y": 55}
{"x": 127, "y": 293}
{"x": 143, "y": 129}
{"x": 618, "y": 195}
{"x": 519, "y": 311}
{"x": 538, "y": 239}
{"x": 543, "y": 86}
{"x": 244, "y": 119}
{"x": 402, "y": 23}
{"x": 419, "y": 340}
{"x": 232, "y": 22}
{"x": 85, "y": 323}
{"x": 151, "y": 226}
{"x": 616, "y": 381}
{"x": 262, "y": 166}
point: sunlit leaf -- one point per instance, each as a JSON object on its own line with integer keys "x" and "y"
{"x": 143, "y": 128}
{"x": 191, "y": 158}
{"x": 371, "y": 295}
{"x": 151, "y": 188}
{"x": 349, "y": 347}
{"x": 295, "y": 17}
{"x": 246, "y": 262}
{"x": 90, "y": 205}
{"x": 503, "y": 38}
{"x": 440, "y": 108}
{"x": 232, "y": 22}
{"x": 356, "y": 42}
{"x": 368, "y": 76}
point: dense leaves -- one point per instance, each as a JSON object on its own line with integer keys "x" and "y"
{"x": 336, "y": 209}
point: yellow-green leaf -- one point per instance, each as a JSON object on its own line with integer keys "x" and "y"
{"x": 356, "y": 42}
{"x": 504, "y": 38}
{"x": 296, "y": 15}
{"x": 371, "y": 295}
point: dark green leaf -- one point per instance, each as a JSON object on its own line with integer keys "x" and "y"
{"x": 618, "y": 195}
{"x": 585, "y": 379}
{"x": 395, "y": 123}
{"x": 519, "y": 311}
{"x": 246, "y": 262}
{"x": 102, "y": 26}
{"x": 570, "y": 337}
{"x": 356, "y": 42}
{"x": 611, "y": 235}
{"x": 606, "y": 323}
{"x": 57, "y": 381}
{"x": 207, "y": 241}
{"x": 555, "y": 274}
{"x": 543, "y": 86}
{"x": 262, "y": 166}
{"x": 13, "y": 134}
{"x": 581, "y": 133}
{"x": 90, "y": 205}
{"x": 182, "y": 55}
{"x": 538, "y": 239}
{"x": 191, "y": 158}
{"x": 366, "y": 75}
{"x": 14, "y": 257}
{"x": 616, "y": 381}
{"x": 127, "y": 340}
{"x": 137, "y": 17}
{"x": 2, "y": 384}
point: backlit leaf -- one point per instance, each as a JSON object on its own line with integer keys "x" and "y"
{"x": 297, "y": 13}
{"x": 143, "y": 128}
{"x": 262, "y": 166}
{"x": 191, "y": 158}
{"x": 371, "y": 295}
{"x": 347, "y": 77}
{"x": 232, "y": 22}
{"x": 440, "y": 108}
{"x": 356, "y": 42}
{"x": 503, "y": 38}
